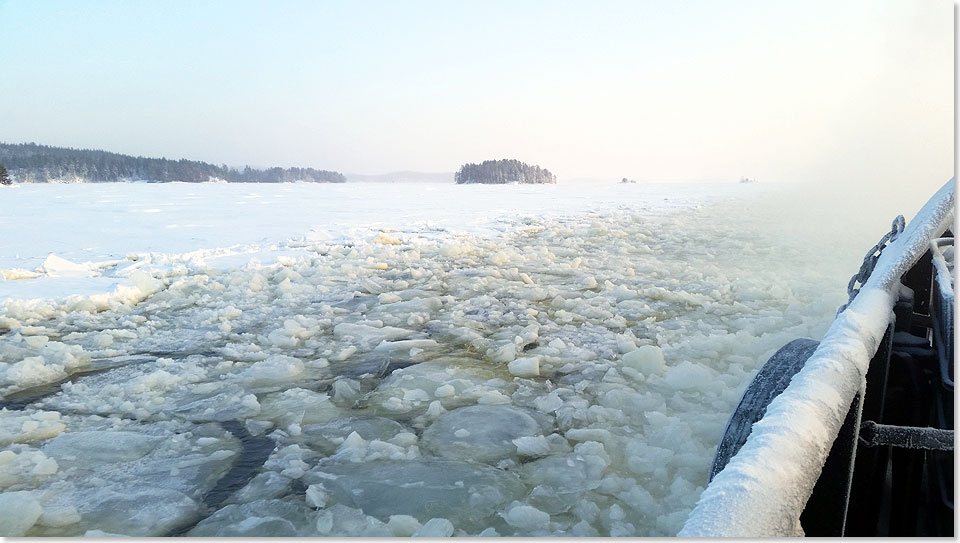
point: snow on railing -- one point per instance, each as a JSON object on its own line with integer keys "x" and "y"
{"x": 765, "y": 486}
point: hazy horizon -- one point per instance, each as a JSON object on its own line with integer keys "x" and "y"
{"x": 412, "y": 175}
{"x": 857, "y": 90}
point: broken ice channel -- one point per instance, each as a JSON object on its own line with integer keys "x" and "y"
{"x": 569, "y": 377}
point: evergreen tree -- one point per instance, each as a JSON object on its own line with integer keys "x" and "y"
{"x": 4, "y": 177}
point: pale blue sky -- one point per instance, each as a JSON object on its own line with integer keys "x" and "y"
{"x": 650, "y": 89}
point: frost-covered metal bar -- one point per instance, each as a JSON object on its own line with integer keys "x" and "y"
{"x": 907, "y": 437}
{"x": 765, "y": 487}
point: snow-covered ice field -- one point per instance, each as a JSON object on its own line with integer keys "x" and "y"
{"x": 376, "y": 360}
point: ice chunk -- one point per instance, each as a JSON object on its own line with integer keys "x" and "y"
{"x": 290, "y": 461}
{"x": 261, "y": 518}
{"x": 327, "y": 437}
{"x": 687, "y": 375}
{"x": 370, "y": 336}
{"x": 423, "y": 488}
{"x": 36, "y": 342}
{"x": 316, "y": 496}
{"x": 429, "y": 376}
{"x": 532, "y": 445}
{"x": 103, "y": 340}
{"x": 100, "y": 447}
{"x": 403, "y": 525}
{"x": 589, "y": 434}
{"x": 29, "y": 372}
{"x": 445, "y": 391}
{"x": 492, "y": 429}
{"x": 47, "y": 466}
{"x": 492, "y": 397}
{"x": 502, "y": 354}
{"x": 435, "y": 527}
{"x": 399, "y": 308}
{"x": 266, "y": 485}
{"x": 229, "y": 404}
{"x": 344, "y": 354}
{"x": 549, "y": 403}
{"x": 274, "y": 370}
{"x": 346, "y": 391}
{"x": 26, "y": 427}
{"x": 526, "y": 517}
{"x": 385, "y": 239}
{"x": 388, "y": 298}
{"x": 435, "y": 410}
{"x": 561, "y": 481}
{"x": 529, "y": 334}
{"x": 298, "y": 405}
{"x": 136, "y": 511}
{"x": 19, "y": 511}
{"x": 370, "y": 285}
{"x": 353, "y": 440}
{"x": 626, "y": 342}
{"x": 404, "y": 439}
{"x": 387, "y": 348}
{"x": 132, "y": 482}
{"x": 24, "y": 468}
{"x": 279, "y": 338}
{"x": 525, "y": 367}
{"x": 58, "y": 516}
{"x": 643, "y": 458}
{"x": 584, "y": 529}
{"x": 648, "y": 359}
{"x": 341, "y": 520}
{"x": 55, "y": 266}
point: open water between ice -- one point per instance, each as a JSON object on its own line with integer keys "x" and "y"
{"x": 567, "y": 373}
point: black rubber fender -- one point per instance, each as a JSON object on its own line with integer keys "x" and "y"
{"x": 769, "y": 382}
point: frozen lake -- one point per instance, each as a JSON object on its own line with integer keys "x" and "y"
{"x": 228, "y": 224}
{"x": 98, "y": 222}
{"x": 306, "y": 360}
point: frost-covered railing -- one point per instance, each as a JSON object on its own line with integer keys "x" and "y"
{"x": 764, "y": 488}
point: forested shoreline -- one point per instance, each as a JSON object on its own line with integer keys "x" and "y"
{"x": 34, "y": 163}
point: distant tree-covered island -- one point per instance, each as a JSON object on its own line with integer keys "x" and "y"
{"x": 33, "y": 163}
{"x": 499, "y": 172}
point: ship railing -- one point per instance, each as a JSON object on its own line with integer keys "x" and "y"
{"x": 791, "y": 471}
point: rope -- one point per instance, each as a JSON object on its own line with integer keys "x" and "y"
{"x": 870, "y": 261}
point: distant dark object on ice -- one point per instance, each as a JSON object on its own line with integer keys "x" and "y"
{"x": 625, "y": 180}
{"x": 501, "y": 172}
{"x": 747, "y": 180}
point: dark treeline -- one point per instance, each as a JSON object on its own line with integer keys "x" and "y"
{"x": 32, "y": 163}
{"x": 503, "y": 171}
